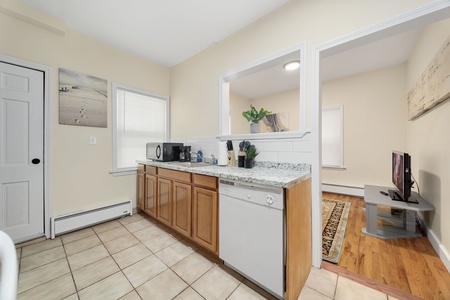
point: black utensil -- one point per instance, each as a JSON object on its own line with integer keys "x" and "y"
{"x": 246, "y": 145}
{"x": 230, "y": 145}
{"x": 241, "y": 146}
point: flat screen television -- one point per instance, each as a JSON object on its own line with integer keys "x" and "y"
{"x": 401, "y": 177}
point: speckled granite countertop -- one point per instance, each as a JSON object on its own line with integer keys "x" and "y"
{"x": 265, "y": 173}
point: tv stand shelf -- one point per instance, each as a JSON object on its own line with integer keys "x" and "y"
{"x": 373, "y": 199}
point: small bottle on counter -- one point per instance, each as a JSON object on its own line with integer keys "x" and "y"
{"x": 199, "y": 155}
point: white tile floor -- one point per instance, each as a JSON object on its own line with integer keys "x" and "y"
{"x": 133, "y": 258}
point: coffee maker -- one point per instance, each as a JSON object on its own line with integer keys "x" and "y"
{"x": 185, "y": 153}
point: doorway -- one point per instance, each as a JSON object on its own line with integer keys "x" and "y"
{"x": 412, "y": 20}
{"x": 24, "y": 205}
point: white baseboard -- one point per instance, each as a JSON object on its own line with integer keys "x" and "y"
{"x": 342, "y": 189}
{"x": 436, "y": 243}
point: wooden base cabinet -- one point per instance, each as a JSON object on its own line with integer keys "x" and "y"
{"x": 205, "y": 220}
{"x": 186, "y": 202}
{"x": 141, "y": 187}
{"x": 182, "y": 204}
{"x": 151, "y": 195}
{"x": 164, "y": 200}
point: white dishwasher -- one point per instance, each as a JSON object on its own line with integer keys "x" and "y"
{"x": 251, "y": 232}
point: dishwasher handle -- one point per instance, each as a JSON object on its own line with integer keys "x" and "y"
{"x": 269, "y": 199}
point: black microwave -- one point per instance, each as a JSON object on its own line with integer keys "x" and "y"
{"x": 164, "y": 151}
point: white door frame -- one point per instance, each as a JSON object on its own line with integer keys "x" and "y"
{"x": 413, "y": 19}
{"x": 47, "y": 124}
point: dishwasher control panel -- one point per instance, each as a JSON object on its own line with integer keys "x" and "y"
{"x": 262, "y": 195}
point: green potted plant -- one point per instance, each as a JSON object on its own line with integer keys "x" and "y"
{"x": 250, "y": 155}
{"x": 254, "y": 116}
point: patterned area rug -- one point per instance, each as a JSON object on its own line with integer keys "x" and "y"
{"x": 334, "y": 222}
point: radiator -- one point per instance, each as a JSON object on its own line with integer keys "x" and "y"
{"x": 75, "y": 221}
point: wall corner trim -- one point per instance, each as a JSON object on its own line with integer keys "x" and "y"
{"x": 24, "y": 17}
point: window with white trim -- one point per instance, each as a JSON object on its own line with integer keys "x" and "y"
{"x": 139, "y": 117}
{"x": 333, "y": 137}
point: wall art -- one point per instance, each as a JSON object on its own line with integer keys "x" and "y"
{"x": 82, "y": 99}
{"x": 277, "y": 122}
{"x": 433, "y": 87}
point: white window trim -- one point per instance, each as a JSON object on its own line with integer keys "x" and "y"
{"x": 115, "y": 86}
{"x": 340, "y": 110}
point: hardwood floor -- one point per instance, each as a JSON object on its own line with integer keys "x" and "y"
{"x": 409, "y": 265}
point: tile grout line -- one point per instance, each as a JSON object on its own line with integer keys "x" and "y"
{"x": 70, "y": 269}
{"x": 117, "y": 264}
{"x": 182, "y": 241}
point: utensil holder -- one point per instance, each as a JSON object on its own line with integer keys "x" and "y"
{"x": 241, "y": 159}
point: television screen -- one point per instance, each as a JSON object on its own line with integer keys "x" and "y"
{"x": 401, "y": 176}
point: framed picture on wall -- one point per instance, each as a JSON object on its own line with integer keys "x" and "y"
{"x": 82, "y": 99}
{"x": 277, "y": 122}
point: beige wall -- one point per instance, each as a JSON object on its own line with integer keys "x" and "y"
{"x": 374, "y": 124}
{"x": 194, "y": 83}
{"x": 286, "y": 102}
{"x": 80, "y": 176}
{"x": 238, "y": 104}
{"x": 428, "y": 137}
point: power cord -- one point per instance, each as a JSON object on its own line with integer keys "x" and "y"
{"x": 418, "y": 189}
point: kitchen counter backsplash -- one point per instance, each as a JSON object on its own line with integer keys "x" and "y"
{"x": 283, "y": 175}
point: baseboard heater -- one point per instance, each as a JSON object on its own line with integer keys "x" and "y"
{"x": 343, "y": 189}
{"x": 75, "y": 221}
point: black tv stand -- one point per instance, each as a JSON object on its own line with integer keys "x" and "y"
{"x": 397, "y": 197}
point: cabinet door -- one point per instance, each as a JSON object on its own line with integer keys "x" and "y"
{"x": 164, "y": 209}
{"x": 182, "y": 207}
{"x": 151, "y": 195}
{"x": 205, "y": 218}
{"x": 141, "y": 190}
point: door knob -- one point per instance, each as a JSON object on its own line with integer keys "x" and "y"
{"x": 35, "y": 161}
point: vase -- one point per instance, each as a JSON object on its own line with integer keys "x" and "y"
{"x": 254, "y": 128}
{"x": 249, "y": 163}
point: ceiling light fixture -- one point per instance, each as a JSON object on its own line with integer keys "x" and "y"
{"x": 292, "y": 65}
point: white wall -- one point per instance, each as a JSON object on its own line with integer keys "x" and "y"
{"x": 428, "y": 138}
{"x": 292, "y": 151}
{"x": 80, "y": 176}
{"x": 374, "y": 124}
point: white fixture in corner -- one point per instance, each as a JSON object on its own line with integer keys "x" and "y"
{"x": 292, "y": 65}
{"x": 8, "y": 268}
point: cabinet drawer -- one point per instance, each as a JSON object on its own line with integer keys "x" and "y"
{"x": 141, "y": 168}
{"x": 206, "y": 181}
{"x": 175, "y": 175}
{"x": 150, "y": 170}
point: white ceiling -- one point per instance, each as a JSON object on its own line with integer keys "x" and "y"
{"x": 380, "y": 54}
{"x": 171, "y": 31}
{"x": 369, "y": 57}
{"x": 164, "y": 31}
{"x": 269, "y": 80}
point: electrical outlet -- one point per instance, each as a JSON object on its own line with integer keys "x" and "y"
{"x": 93, "y": 140}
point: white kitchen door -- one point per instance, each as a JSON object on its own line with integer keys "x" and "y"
{"x": 21, "y": 152}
